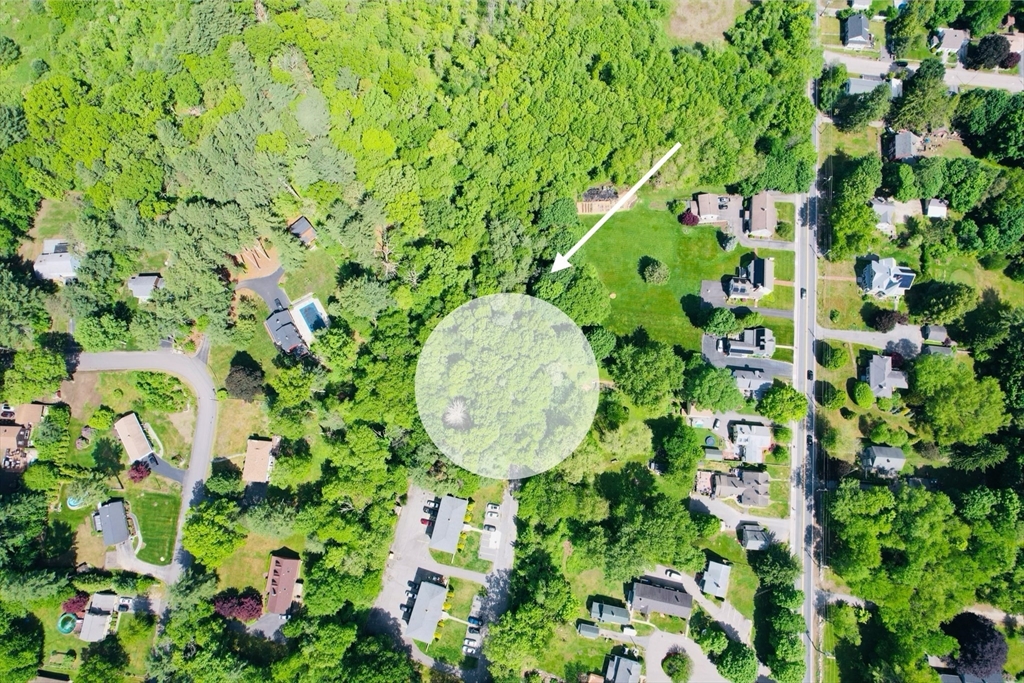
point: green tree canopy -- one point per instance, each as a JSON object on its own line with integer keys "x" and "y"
{"x": 782, "y": 403}
{"x": 951, "y": 403}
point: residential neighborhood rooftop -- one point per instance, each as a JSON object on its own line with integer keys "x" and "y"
{"x": 114, "y": 522}
{"x": 259, "y": 456}
{"x": 647, "y": 598}
{"x": 281, "y": 579}
{"x": 885, "y": 459}
{"x": 882, "y": 378}
{"x": 451, "y": 516}
{"x": 133, "y": 437}
{"x": 426, "y": 612}
{"x": 715, "y": 580}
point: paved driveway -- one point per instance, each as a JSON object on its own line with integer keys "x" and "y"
{"x": 194, "y": 373}
{"x": 774, "y": 368}
{"x": 731, "y": 517}
{"x": 905, "y": 339}
{"x": 268, "y": 289}
{"x": 712, "y": 293}
{"x": 165, "y": 469}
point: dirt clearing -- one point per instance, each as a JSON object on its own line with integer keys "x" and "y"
{"x": 703, "y": 21}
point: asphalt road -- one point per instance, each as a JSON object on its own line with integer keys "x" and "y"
{"x": 194, "y": 373}
{"x": 955, "y": 76}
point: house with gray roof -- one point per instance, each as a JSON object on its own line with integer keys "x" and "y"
{"x": 754, "y": 281}
{"x": 885, "y": 216}
{"x": 96, "y": 622}
{"x": 588, "y": 630}
{"x": 426, "y": 612}
{"x": 622, "y": 670}
{"x": 749, "y": 488}
{"x": 649, "y": 599}
{"x": 726, "y": 485}
{"x": 936, "y": 350}
{"x": 719, "y": 208}
{"x": 856, "y": 34}
{"x": 951, "y": 41}
{"x": 884, "y": 459}
{"x": 282, "y": 330}
{"x": 936, "y": 208}
{"x": 751, "y": 441}
{"x": 905, "y": 146}
{"x": 113, "y": 522}
{"x": 451, "y": 517}
{"x": 763, "y": 217}
{"x": 885, "y": 278}
{"x": 754, "y": 342}
{"x": 57, "y": 262}
{"x": 935, "y": 333}
{"x": 751, "y": 382}
{"x": 143, "y": 285}
{"x": 609, "y": 614}
{"x": 862, "y": 85}
{"x": 881, "y": 377}
{"x": 715, "y": 580}
{"x": 752, "y": 536}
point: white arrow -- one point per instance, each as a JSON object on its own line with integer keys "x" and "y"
{"x": 562, "y": 262}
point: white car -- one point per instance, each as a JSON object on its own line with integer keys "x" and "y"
{"x": 672, "y": 573}
{"x": 491, "y": 514}
{"x": 493, "y": 507}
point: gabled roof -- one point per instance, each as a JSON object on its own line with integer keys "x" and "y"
{"x": 935, "y": 333}
{"x": 761, "y": 272}
{"x": 862, "y": 85}
{"x": 622, "y": 670}
{"x": 588, "y": 630}
{"x": 936, "y": 350}
{"x": 752, "y": 381}
{"x": 451, "y": 516}
{"x": 609, "y": 613}
{"x": 282, "y": 330}
{"x": 884, "y": 458}
{"x": 763, "y": 215}
{"x": 952, "y": 39}
{"x": 882, "y": 378}
{"x": 884, "y": 209}
{"x": 937, "y": 208}
{"x": 905, "y": 145}
{"x": 143, "y": 285}
{"x": 114, "y": 523}
{"x": 59, "y": 266}
{"x": 751, "y": 440}
{"x": 258, "y": 456}
{"x": 426, "y": 612}
{"x": 647, "y": 598}
{"x": 885, "y": 277}
{"x": 133, "y": 438}
{"x": 754, "y": 341}
{"x": 856, "y": 30}
{"x": 716, "y": 579}
{"x": 753, "y": 536}
{"x": 281, "y": 578}
{"x": 303, "y": 229}
{"x": 95, "y": 627}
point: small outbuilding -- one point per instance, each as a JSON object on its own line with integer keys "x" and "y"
{"x": 716, "y": 579}
{"x": 586, "y": 630}
{"x": 936, "y": 208}
{"x": 304, "y": 230}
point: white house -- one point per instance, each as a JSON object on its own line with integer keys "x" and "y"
{"x": 57, "y": 262}
{"x": 936, "y": 208}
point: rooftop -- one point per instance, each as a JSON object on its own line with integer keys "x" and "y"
{"x": 426, "y": 612}
{"x": 143, "y": 285}
{"x": 281, "y": 578}
{"x": 282, "y": 330}
{"x": 753, "y": 341}
{"x": 114, "y": 523}
{"x": 882, "y": 378}
{"x": 133, "y": 438}
{"x": 258, "y": 458}
{"x": 763, "y": 215}
{"x": 646, "y": 598}
{"x": 884, "y": 458}
{"x": 716, "y": 579}
{"x": 622, "y": 670}
{"x": 451, "y": 516}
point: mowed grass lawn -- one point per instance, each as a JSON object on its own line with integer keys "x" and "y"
{"x": 157, "y": 513}
{"x": 460, "y": 597}
{"x": 246, "y": 566}
{"x": 692, "y": 254}
{"x": 567, "y": 654}
{"x": 742, "y": 580}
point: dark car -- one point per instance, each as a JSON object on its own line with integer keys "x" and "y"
{"x": 473, "y": 631}
{"x": 810, "y": 440}
{"x": 810, "y": 374}
{"x": 490, "y": 527}
{"x": 430, "y": 510}
{"x": 475, "y": 621}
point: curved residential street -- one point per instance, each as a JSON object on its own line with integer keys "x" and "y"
{"x": 193, "y": 372}
{"x": 957, "y": 76}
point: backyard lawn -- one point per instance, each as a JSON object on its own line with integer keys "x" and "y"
{"x": 460, "y": 597}
{"x": 318, "y": 275}
{"x": 854, "y": 144}
{"x": 246, "y": 566}
{"x": 467, "y": 557}
{"x": 157, "y": 513}
{"x": 692, "y": 254}
{"x": 136, "y": 633}
{"x": 742, "y": 580}
{"x": 783, "y": 330}
{"x": 448, "y": 648}
{"x": 567, "y": 654}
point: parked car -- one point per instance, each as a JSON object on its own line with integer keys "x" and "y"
{"x": 810, "y": 374}
{"x": 493, "y": 507}
{"x": 469, "y": 641}
{"x": 491, "y": 514}
{"x": 410, "y": 594}
{"x": 432, "y": 503}
{"x": 672, "y": 573}
{"x": 467, "y": 650}
{"x": 810, "y": 440}
{"x": 803, "y": 293}
{"x": 717, "y": 424}
{"x": 425, "y": 522}
{"x": 403, "y": 608}
{"x": 475, "y": 621}
{"x": 718, "y": 346}
{"x": 490, "y": 527}
{"x": 430, "y": 510}
{"x": 473, "y": 630}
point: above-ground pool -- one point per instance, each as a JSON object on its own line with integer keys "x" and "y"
{"x": 66, "y": 623}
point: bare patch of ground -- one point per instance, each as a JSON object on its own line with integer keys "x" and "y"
{"x": 257, "y": 261}
{"x": 80, "y": 393}
{"x": 184, "y": 422}
{"x": 89, "y": 544}
{"x": 703, "y": 21}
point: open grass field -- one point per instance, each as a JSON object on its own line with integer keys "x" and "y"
{"x": 742, "y": 580}
{"x": 246, "y": 566}
{"x": 137, "y": 633}
{"x": 703, "y": 21}
{"x": 239, "y": 420}
{"x": 854, "y": 144}
{"x": 668, "y": 624}
{"x": 157, "y": 513}
{"x": 782, "y": 297}
{"x": 567, "y": 654}
{"x": 467, "y": 557}
{"x": 967, "y": 270}
{"x": 54, "y": 641}
{"x": 692, "y": 255}
{"x": 317, "y": 275}
{"x": 461, "y": 599}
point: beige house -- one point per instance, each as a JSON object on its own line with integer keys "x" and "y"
{"x": 133, "y": 437}
{"x": 763, "y": 216}
{"x": 259, "y": 460}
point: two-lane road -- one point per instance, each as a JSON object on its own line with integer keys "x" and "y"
{"x": 956, "y": 76}
{"x": 194, "y": 373}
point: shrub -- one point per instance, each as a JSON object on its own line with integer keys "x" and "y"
{"x": 655, "y": 272}
{"x": 862, "y": 395}
{"x": 677, "y": 666}
{"x": 783, "y": 434}
{"x": 833, "y": 315}
{"x": 834, "y": 357}
{"x": 1011, "y": 61}
{"x": 138, "y": 471}
{"x": 9, "y": 51}
{"x": 738, "y": 663}
{"x": 243, "y": 382}
{"x": 102, "y": 418}
{"x": 689, "y": 218}
{"x": 831, "y": 398}
{"x": 246, "y": 606}
{"x": 75, "y": 603}
{"x": 887, "y": 320}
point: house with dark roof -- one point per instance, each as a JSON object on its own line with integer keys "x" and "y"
{"x": 426, "y": 612}
{"x": 936, "y": 350}
{"x": 754, "y": 342}
{"x": 752, "y": 536}
{"x": 885, "y": 278}
{"x": 856, "y": 34}
{"x": 451, "y": 517}
{"x": 884, "y": 459}
{"x": 622, "y": 670}
{"x": 715, "y": 580}
{"x": 881, "y": 377}
{"x": 935, "y": 333}
{"x": 281, "y": 579}
{"x": 648, "y": 599}
{"x": 749, "y": 488}
{"x": 751, "y": 382}
{"x": 609, "y": 614}
{"x": 113, "y": 522}
{"x": 304, "y": 230}
{"x": 282, "y": 330}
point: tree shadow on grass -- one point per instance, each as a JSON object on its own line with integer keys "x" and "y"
{"x": 694, "y": 309}
{"x": 244, "y": 360}
{"x": 108, "y": 457}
